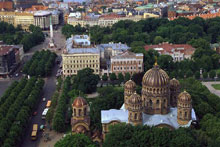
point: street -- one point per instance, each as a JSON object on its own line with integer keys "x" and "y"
{"x": 49, "y": 89}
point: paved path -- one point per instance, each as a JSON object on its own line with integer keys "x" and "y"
{"x": 211, "y": 89}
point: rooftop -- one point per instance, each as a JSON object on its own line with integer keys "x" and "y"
{"x": 126, "y": 55}
{"x": 42, "y": 13}
{"x": 166, "y": 47}
{"x": 5, "y": 49}
{"x": 151, "y": 120}
{"x": 114, "y": 46}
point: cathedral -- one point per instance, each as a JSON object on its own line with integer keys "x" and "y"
{"x": 160, "y": 104}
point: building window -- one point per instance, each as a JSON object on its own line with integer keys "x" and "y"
{"x": 135, "y": 116}
{"x": 79, "y": 112}
{"x": 158, "y": 102}
{"x": 185, "y": 114}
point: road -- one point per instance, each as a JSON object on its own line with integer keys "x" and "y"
{"x": 48, "y": 90}
{"x": 211, "y": 89}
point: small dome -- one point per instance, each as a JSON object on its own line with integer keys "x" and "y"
{"x": 79, "y": 102}
{"x": 130, "y": 85}
{"x": 134, "y": 99}
{"x": 184, "y": 96}
{"x": 155, "y": 77}
{"x": 80, "y": 129}
{"x": 174, "y": 83}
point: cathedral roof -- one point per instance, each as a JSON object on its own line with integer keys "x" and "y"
{"x": 155, "y": 77}
{"x": 134, "y": 99}
{"x": 79, "y": 102}
{"x": 130, "y": 85}
{"x": 184, "y": 96}
{"x": 121, "y": 115}
{"x": 174, "y": 83}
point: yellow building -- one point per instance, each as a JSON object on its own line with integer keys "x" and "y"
{"x": 17, "y": 18}
{"x": 72, "y": 63}
{"x": 23, "y": 19}
{"x": 7, "y": 17}
{"x": 79, "y": 55}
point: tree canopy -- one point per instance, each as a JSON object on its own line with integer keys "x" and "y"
{"x": 85, "y": 80}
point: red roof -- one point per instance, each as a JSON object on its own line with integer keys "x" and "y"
{"x": 166, "y": 47}
{"x": 6, "y": 5}
{"x": 4, "y": 50}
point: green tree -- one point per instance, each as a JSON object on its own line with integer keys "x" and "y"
{"x": 212, "y": 74}
{"x": 127, "y": 76}
{"x": 105, "y": 77}
{"x": 77, "y": 140}
{"x": 86, "y": 81}
{"x": 113, "y": 77}
{"x": 120, "y": 78}
{"x": 158, "y": 39}
{"x": 205, "y": 75}
{"x": 197, "y": 75}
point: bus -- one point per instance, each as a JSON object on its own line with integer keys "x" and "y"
{"x": 48, "y": 104}
{"x": 44, "y": 113}
{"x": 34, "y": 132}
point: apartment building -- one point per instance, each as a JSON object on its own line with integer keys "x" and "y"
{"x": 127, "y": 62}
{"x": 79, "y": 54}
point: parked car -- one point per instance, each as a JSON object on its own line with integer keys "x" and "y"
{"x": 44, "y": 99}
{"x": 35, "y": 113}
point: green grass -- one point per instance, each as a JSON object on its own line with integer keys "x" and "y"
{"x": 216, "y": 86}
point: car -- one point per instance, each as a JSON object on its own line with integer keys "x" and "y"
{"x": 16, "y": 74}
{"x": 35, "y": 113}
{"x": 44, "y": 99}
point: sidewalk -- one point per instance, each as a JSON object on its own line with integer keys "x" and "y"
{"x": 211, "y": 89}
{"x": 54, "y": 137}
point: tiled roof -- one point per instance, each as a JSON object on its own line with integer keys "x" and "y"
{"x": 6, "y": 5}
{"x": 165, "y": 47}
{"x": 5, "y": 50}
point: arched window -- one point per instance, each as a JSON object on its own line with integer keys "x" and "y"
{"x": 151, "y": 103}
{"x": 185, "y": 114}
{"x": 158, "y": 102}
{"x": 79, "y": 112}
{"x": 74, "y": 112}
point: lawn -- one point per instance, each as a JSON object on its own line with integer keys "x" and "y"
{"x": 216, "y": 86}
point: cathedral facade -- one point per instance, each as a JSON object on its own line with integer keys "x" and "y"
{"x": 160, "y": 104}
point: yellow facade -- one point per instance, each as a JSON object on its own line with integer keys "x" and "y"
{"x": 72, "y": 63}
{"x": 7, "y": 17}
{"x": 17, "y": 18}
{"x": 24, "y": 19}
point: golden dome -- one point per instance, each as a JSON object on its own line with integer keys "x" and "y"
{"x": 174, "y": 83}
{"x": 155, "y": 77}
{"x": 130, "y": 85}
{"x": 184, "y": 96}
{"x": 79, "y": 102}
{"x": 134, "y": 99}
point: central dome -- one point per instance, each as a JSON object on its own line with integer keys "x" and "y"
{"x": 155, "y": 77}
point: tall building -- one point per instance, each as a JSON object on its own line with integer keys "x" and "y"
{"x": 79, "y": 54}
{"x": 153, "y": 107}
